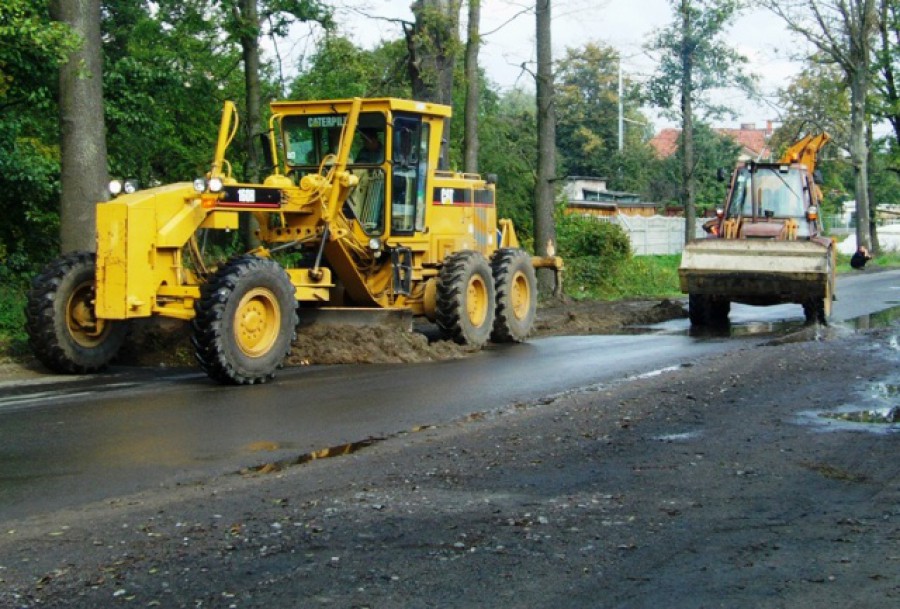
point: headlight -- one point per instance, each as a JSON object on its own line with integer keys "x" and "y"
{"x": 199, "y": 185}
{"x": 374, "y": 244}
{"x": 215, "y": 185}
{"x": 131, "y": 186}
{"x": 115, "y": 187}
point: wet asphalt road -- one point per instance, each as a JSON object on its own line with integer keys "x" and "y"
{"x": 67, "y": 442}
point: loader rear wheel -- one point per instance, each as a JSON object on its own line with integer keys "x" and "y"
{"x": 245, "y": 321}
{"x": 515, "y": 285}
{"x": 465, "y": 299}
{"x": 62, "y": 325}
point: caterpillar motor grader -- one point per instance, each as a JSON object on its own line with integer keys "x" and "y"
{"x": 765, "y": 246}
{"x": 355, "y": 214}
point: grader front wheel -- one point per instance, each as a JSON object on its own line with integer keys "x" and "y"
{"x": 465, "y": 299}
{"x": 63, "y": 329}
{"x": 245, "y": 321}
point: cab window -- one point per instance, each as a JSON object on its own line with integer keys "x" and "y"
{"x": 409, "y": 161}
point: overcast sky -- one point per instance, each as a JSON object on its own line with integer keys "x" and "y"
{"x": 625, "y": 25}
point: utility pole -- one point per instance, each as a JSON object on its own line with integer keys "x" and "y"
{"x": 621, "y": 112}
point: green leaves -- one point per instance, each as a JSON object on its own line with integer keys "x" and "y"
{"x": 695, "y": 57}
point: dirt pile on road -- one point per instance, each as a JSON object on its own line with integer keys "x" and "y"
{"x": 345, "y": 344}
{"x": 166, "y": 343}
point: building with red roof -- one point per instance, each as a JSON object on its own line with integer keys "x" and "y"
{"x": 754, "y": 142}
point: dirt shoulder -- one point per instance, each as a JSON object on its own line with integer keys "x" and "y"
{"x": 715, "y": 484}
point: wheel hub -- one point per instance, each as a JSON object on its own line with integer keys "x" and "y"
{"x": 257, "y": 320}
{"x": 520, "y": 296}
{"x": 476, "y": 301}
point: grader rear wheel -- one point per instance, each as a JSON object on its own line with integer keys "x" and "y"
{"x": 245, "y": 321}
{"x": 465, "y": 299}
{"x": 63, "y": 329}
{"x": 515, "y": 285}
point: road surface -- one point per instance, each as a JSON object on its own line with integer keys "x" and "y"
{"x": 70, "y": 441}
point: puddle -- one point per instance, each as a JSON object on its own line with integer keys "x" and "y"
{"x": 881, "y": 319}
{"x": 324, "y": 453}
{"x": 876, "y": 411}
{"x": 678, "y": 437}
{"x": 884, "y": 416}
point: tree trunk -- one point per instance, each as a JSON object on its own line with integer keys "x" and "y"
{"x": 248, "y": 17}
{"x": 473, "y": 89}
{"x": 688, "y": 187}
{"x": 873, "y": 224}
{"x": 544, "y": 195}
{"x": 858, "y": 71}
{"x": 84, "y": 173}
{"x": 432, "y": 42}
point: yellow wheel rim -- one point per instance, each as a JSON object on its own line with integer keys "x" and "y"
{"x": 477, "y": 301}
{"x": 520, "y": 295}
{"x": 81, "y": 320}
{"x": 257, "y": 320}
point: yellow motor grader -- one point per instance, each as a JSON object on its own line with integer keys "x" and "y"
{"x": 355, "y": 214}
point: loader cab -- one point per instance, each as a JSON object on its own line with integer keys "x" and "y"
{"x": 771, "y": 193}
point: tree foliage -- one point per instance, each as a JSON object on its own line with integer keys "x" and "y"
{"x": 843, "y": 32}
{"x": 712, "y": 151}
{"x": 587, "y": 90}
{"x": 714, "y": 61}
{"x": 695, "y": 58}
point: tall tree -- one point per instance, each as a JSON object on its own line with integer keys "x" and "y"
{"x": 433, "y": 44}
{"x": 473, "y": 88}
{"x": 888, "y": 64}
{"x": 32, "y": 49}
{"x": 245, "y": 22}
{"x": 82, "y": 128}
{"x": 843, "y": 31}
{"x": 587, "y": 92}
{"x": 695, "y": 59}
{"x": 545, "y": 191}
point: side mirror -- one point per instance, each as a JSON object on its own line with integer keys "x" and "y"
{"x": 491, "y": 178}
{"x": 721, "y": 175}
{"x": 817, "y": 177}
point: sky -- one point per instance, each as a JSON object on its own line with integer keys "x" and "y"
{"x": 508, "y": 40}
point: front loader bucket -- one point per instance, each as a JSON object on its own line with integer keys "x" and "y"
{"x": 757, "y": 271}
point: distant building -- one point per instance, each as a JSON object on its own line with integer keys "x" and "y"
{"x": 589, "y": 196}
{"x": 754, "y": 142}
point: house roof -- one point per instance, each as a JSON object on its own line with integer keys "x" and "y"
{"x": 753, "y": 141}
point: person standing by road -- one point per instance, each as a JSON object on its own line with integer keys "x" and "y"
{"x": 859, "y": 259}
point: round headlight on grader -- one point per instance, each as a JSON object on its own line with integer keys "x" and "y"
{"x": 355, "y": 195}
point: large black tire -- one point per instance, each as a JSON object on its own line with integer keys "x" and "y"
{"x": 705, "y": 310}
{"x": 698, "y": 309}
{"x": 465, "y": 299}
{"x": 245, "y": 321}
{"x": 63, "y": 330}
{"x": 516, "y": 292}
{"x": 814, "y": 311}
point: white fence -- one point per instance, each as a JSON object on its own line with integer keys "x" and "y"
{"x": 655, "y": 235}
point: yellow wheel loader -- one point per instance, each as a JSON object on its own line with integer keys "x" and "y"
{"x": 355, "y": 214}
{"x": 765, "y": 245}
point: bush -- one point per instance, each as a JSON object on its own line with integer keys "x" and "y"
{"x": 580, "y": 237}
{"x": 593, "y": 252}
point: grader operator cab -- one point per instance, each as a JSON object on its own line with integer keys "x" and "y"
{"x": 354, "y": 214}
